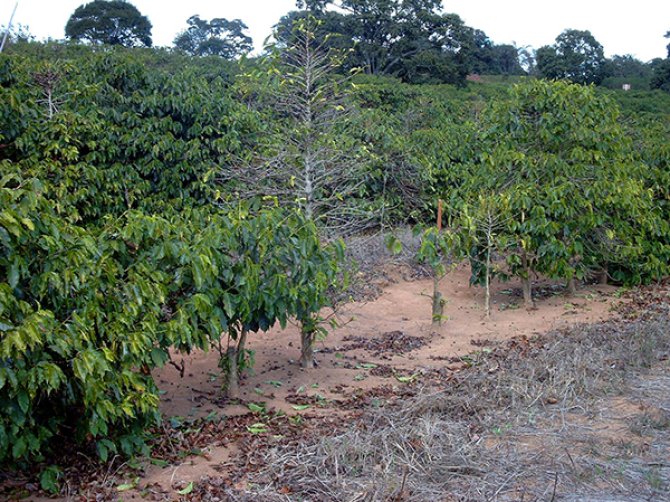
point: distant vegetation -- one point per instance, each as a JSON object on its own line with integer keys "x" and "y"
{"x": 153, "y": 201}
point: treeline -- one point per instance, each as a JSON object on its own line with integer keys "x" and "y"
{"x": 413, "y": 40}
{"x": 152, "y": 202}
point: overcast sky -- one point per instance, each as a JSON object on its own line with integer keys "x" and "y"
{"x": 623, "y": 27}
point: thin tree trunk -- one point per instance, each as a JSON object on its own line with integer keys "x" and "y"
{"x": 603, "y": 277}
{"x": 438, "y": 303}
{"x": 527, "y": 287}
{"x": 307, "y": 348}
{"x": 487, "y": 299}
{"x": 572, "y": 286}
{"x": 241, "y": 344}
{"x": 309, "y": 187}
{"x": 232, "y": 383}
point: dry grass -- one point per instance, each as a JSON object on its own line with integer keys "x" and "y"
{"x": 375, "y": 266}
{"x": 582, "y": 414}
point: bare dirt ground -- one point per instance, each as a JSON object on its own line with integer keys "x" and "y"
{"x": 394, "y": 332}
{"x": 570, "y": 401}
{"x": 381, "y": 343}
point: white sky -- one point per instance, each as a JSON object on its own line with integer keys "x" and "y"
{"x": 623, "y": 27}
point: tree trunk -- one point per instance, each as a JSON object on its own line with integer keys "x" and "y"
{"x": 487, "y": 283}
{"x": 308, "y": 187}
{"x": 307, "y": 348}
{"x": 603, "y": 277}
{"x": 527, "y": 287}
{"x": 232, "y": 383}
{"x": 572, "y": 286}
{"x": 438, "y": 303}
{"x": 241, "y": 355}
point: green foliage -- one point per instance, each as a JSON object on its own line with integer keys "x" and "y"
{"x": 412, "y": 40}
{"x": 488, "y": 58}
{"x": 87, "y": 313}
{"x": 113, "y": 250}
{"x": 122, "y": 237}
{"x": 661, "y": 77}
{"x": 576, "y": 56}
{"x": 649, "y": 133}
{"x": 218, "y": 37}
{"x": 49, "y": 479}
{"x": 112, "y": 22}
{"x": 123, "y": 134}
{"x": 71, "y": 337}
{"x": 576, "y": 193}
{"x": 622, "y": 70}
{"x": 437, "y": 249}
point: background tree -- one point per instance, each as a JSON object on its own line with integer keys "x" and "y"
{"x": 576, "y": 56}
{"x": 626, "y": 69}
{"x": 218, "y": 37}
{"x": 487, "y": 58}
{"x": 527, "y": 59}
{"x": 410, "y": 39}
{"x": 313, "y": 6}
{"x": 14, "y": 34}
{"x": 332, "y": 31}
{"x": 113, "y": 22}
{"x": 661, "y": 77}
{"x": 505, "y": 61}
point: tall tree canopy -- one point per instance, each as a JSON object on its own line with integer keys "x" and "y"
{"x": 218, "y": 37}
{"x": 113, "y": 22}
{"x": 661, "y": 78}
{"x": 576, "y": 56}
{"x": 487, "y": 58}
{"x": 409, "y": 39}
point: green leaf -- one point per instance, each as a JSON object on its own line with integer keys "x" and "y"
{"x": 159, "y": 357}
{"x": 24, "y": 401}
{"x": 13, "y": 275}
{"x": 301, "y": 407}
{"x": 159, "y": 462}
{"x": 256, "y": 408}
{"x": 128, "y": 486}
{"x": 19, "y": 448}
{"x": 366, "y": 366}
{"x": 212, "y": 417}
{"x": 186, "y": 490}
{"x": 406, "y": 379}
{"x": 49, "y": 479}
{"x": 393, "y": 244}
{"x": 257, "y": 428}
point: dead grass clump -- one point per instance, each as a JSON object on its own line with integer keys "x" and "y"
{"x": 374, "y": 266}
{"x": 514, "y": 426}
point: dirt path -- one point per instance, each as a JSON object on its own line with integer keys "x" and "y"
{"x": 372, "y": 348}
